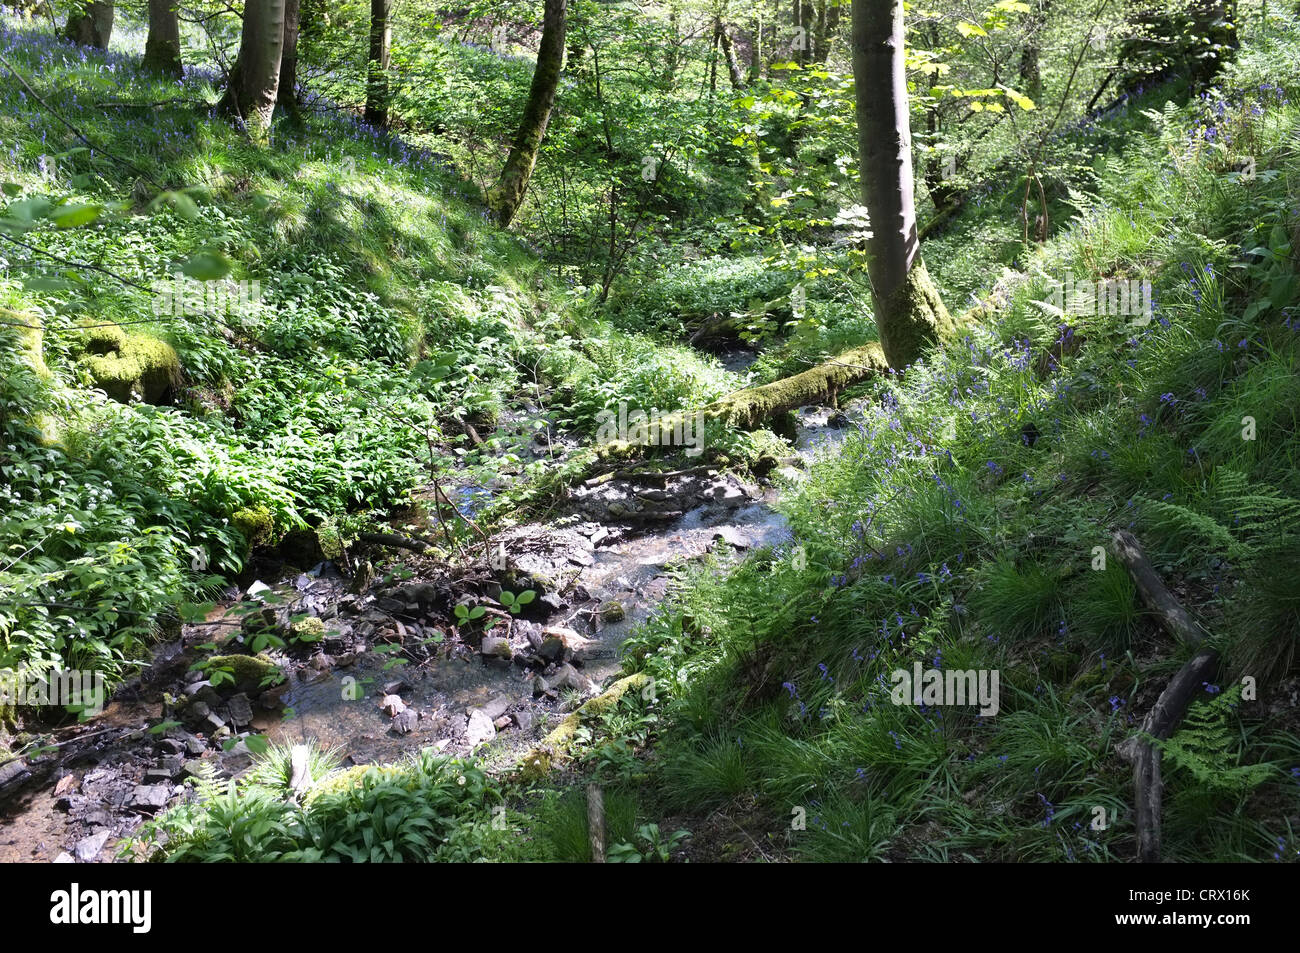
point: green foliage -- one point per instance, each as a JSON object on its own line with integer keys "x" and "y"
{"x": 426, "y": 809}
{"x": 649, "y": 846}
{"x": 1208, "y": 749}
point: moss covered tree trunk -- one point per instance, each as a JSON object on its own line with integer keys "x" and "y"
{"x": 162, "y": 49}
{"x": 254, "y": 83}
{"x": 729, "y": 53}
{"x": 377, "y": 63}
{"x": 909, "y": 312}
{"x": 288, "y": 91}
{"x": 505, "y": 197}
{"x": 90, "y": 23}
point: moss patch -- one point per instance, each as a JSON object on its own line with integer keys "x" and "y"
{"x": 128, "y": 367}
{"x": 255, "y": 522}
{"x": 251, "y": 672}
{"x": 557, "y": 746}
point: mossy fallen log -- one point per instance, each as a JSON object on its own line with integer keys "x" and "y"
{"x": 557, "y": 747}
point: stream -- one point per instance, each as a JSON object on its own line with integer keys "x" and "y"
{"x": 600, "y": 565}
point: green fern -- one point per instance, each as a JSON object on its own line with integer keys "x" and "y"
{"x": 1207, "y": 748}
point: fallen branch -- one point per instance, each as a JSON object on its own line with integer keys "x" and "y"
{"x": 396, "y": 540}
{"x": 1166, "y": 714}
{"x": 1154, "y": 593}
{"x": 1159, "y": 724}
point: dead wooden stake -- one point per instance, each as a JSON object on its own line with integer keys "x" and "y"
{"x": 1163, "y": 718}
{"x": 596, "y": 822}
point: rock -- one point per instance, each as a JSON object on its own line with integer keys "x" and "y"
{"x": 599, "y": 536}
{"x": 64, "y": 858}
{"x": 531, "y": 631}
{"x": 553, "y": 648}
{"x": 198, "y": 710}
{"x": 151, "y": 797}
{"x": 551, "y": 603}
{"x": 194, "y": 746}
{"x": 322, "y": 662}
{"x": 66, "y": 783}
{"x": 88, "y": 848}
{"x": 251, "y": 672}
{"x": 240, "y": 709}
{"x": 502, "y": 722}
{"x": 192, "y": 768}
{"x": 560, "y": 643}
{"x": 569, "y": 677}
{"x": 524, "y": 719}
{"x": 612, "y": 611}
{"x": 479, "y": 728}
{"x": 496, "y": 707}
{"x": 392, "y": 705}
{"x": 396, "y": 687}
{"x": 405, "y": 721}
{"x": 256, "y": 589}
{"x": 497, "y": 647}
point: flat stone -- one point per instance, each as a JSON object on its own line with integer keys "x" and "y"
{"x": 392, "y": 705}
{"x": 151, "y": 797}
{"x": 479, "y": 728}
{"x": 405, "y": 721}
{"x": 496, "y": 646}
{"x": 495, "y": 708}
{"x": 88, "y": 848}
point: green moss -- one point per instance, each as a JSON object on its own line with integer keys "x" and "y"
{"x": 22, "y": 343}
{"x": 255, "y": 522}
{"x": 310, "y": 629}
{"x": 128, "y": 366}
{"x": 251, "y": 672}
{"x": 912, "y": 319}
{"x": 557, "y": 746}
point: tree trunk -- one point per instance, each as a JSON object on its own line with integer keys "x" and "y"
{"x": 90, "y": 24}
{"x": 756, "y": 51}
{"x": 381, "y": 39}
{"x": 729, "y": 52}
{"x": 254, "y": 82}
{"x": 909, "y": 312}
{"x": 828, "y": 24}
{"x": 1031, "y": 77}
{"x": 162, "y": 50}
{"x": 288, "y": 91}
{"x": 505, "y": 197}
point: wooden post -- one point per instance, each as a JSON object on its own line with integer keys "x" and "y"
{"x": 596, "y": 822}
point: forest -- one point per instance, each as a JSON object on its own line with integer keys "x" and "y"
{"x": 650, "y": 431}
